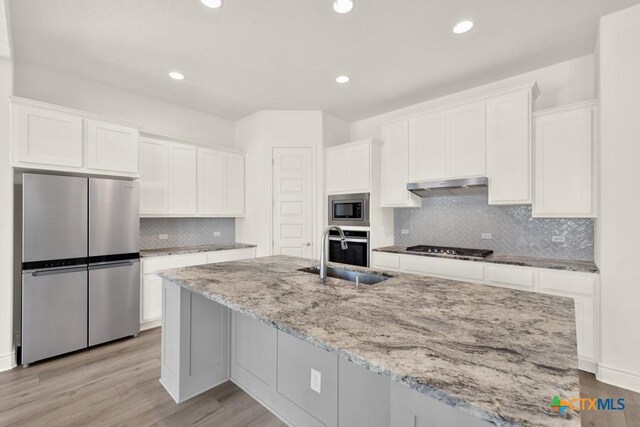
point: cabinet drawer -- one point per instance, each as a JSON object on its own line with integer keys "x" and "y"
{"x": 385, "y": 260}
{"x": 441, "y": 267}
{"x": 230, "y": 255}
{"x": 566, "y": 282}
{"x": 509, "y": 277}
{"x": 296, "y": 359}
{"x": 190, "y": 259}
{"x": 151, "y": 265}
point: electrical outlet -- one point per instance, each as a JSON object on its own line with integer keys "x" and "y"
{"x": 163, "y": 236}
{"x": 558, "y": 239}
{"x": 486, "y": 236}
{"x": 316, "y": 381}
{"x": 216, "y": 234}
{"x": 404, "y": 231}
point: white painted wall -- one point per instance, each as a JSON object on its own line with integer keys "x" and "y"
{"x": 156, "y": 116}
{"x": 6, "y": 221}
{"x": 257, "y": 135}
{"x": 619, "y": 90}
{"x": 560, "y": 84}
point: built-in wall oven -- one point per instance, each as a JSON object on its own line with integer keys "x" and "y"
{"x": 357, "y": 252}
{"x": 349, "y": 209}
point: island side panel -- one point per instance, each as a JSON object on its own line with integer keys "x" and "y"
{"x": 195, "y": 343}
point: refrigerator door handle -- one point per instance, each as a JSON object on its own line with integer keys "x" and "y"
{"x": 58, "y": 271}
{"x": 111, "y": 265}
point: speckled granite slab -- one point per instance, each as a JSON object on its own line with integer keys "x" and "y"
{"x": 498, "y": 354}
{"x": 554, "y": 264}
{"x": 146, "y": 253}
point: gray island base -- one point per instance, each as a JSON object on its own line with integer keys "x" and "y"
{"x": 408, "y": 351}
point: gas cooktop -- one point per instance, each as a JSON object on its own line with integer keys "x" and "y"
{"x": 443, "y": 250}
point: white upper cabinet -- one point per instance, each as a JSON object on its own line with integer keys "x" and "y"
{"x": 220, "y": 183}
{"x": 50, "y": 137}
{"x": 509, "y": 147}
{"x": 349, "y": 168}
{"x": 466, "y": 144}
{"x": 564, "y": 163}
{"x": 395, "y": 166}
{"x": 428, "y": 146}
{"x": 182, "y": 179}
{"x": 46, "y": 137}
{"x": 111, "y": 147}
{"x": 154, "y": 176}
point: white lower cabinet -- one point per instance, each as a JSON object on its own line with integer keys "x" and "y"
{"x": 151, "y": 284}
{"x": 582, "y": 287}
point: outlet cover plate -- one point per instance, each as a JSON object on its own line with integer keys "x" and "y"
{"x": 558, "y": 239}
{"x": 486, "y": 236}
{"x": 163, "y": 236}
{"x": 316, "y": 381}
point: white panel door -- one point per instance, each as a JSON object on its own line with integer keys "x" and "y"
{"x": 182, "y": 179}
{"x": 293, "y": 202}
{"x": 212, "y": 182}
{"x": 428, "y": 146}
{"x": 337, "y": 170}
{"x": 48, "y": 137}
{"x": 509, "y": 148}
{"x": 235, "y": 184}
{"x": 112, "y": 147}
{"x": 466, "y": 147}
{"x": 154, "y": 177}
{"x": 395, "y": 166}
{"x": 563, "y": 164}
{"x": 359, "y": 168}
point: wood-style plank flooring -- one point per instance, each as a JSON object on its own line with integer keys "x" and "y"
{"x": 117, "y": 384}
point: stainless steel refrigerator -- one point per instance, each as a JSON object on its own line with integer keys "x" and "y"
{"x": 80, "y": 263}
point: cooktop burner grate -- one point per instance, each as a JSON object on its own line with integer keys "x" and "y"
{"x": 444, "y": 250}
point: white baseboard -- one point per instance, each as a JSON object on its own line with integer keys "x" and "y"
{"x": 7, "y": 361}
{"x": 150, "y": 325}
{"x": 587, "y": 365}
{"x": 618, "y": 377}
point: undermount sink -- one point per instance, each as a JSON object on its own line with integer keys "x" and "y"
{"x": 351, "y": 276}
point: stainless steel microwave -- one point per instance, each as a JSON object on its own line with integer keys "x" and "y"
{"x": 349, "y": 209}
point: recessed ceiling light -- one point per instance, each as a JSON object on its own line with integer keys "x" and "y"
{"x": 343, "y": 6}
{"x": 213, "y": 4}
{"x": 463, "y": 27}
{"x": 176, "y": 75}
{"x": 343, "y": 79}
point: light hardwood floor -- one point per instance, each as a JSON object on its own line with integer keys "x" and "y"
{"x": 117, "y": 384}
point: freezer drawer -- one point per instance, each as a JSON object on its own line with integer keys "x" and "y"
{"x": 114, "y": 301}
{"x": 54, "y": 312}
{"x": 54, "y": 217}
{"x": 114, "y": 220}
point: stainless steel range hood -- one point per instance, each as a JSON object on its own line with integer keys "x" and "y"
{"x": 450, "y": 187}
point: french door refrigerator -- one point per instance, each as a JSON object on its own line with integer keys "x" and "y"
{"x": 80, "y": 263}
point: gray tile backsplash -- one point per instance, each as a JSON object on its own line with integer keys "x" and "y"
{"x": 185, "y": 231}
{"x": 460, "y": 221}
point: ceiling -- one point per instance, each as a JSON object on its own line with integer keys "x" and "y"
{"x": 285, "y": 54}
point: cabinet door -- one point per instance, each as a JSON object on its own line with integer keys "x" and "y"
{"x": 427, "y": 146}
{"x": 358, "y": 170}
{"x": 235, "y": 184}
{"x": 112, "y": 147}
{"x": 337, "y": 170}
{"x": 182, "y": 179}
{"x": 563, "y": 164}
{"x": 395, "y": 167}
{"x": 212, "y": 182}
{"x": 154, "y": 176}
{"x": 466, "y": 143}
{"x": 509, "y": 148}
{"x": 47, "y": 137}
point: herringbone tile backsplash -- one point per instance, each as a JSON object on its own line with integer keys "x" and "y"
{"x": 185, "y": 232}
{"x": 460, "y": 221}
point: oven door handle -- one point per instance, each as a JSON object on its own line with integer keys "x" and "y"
{"x": 349, "y": 240}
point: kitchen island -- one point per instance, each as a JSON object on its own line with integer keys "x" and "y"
{"x": 407, "y": 350}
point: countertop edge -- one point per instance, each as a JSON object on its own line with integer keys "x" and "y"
{"x": 436, "y": 394}
{"x": 152, "y": 253}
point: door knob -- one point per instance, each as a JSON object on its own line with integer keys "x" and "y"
{"x": 306, "y": 244}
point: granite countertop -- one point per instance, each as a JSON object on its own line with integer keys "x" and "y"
{"x": 496, "y": 353}
{"x": 525, "y": 261}
{"x": 145, "y": 253}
